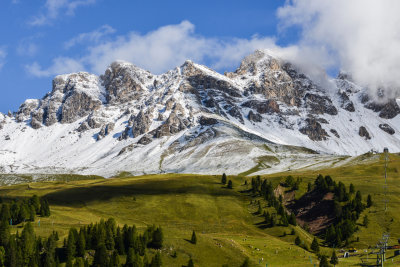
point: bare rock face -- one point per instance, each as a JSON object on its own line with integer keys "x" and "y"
{"x": 254, "y": 116}
{"x": 263, "y": 107}
{"x": 387, "y": 110}
{"x": 123, "y": 82}
{"x": 25, "y": 110}
{"x": 320, "y": 104}
{"x": 314, "y": 130}
{"x": 125, "y": 134}
{"x": 105, "y": 130}
{"x": 141, "y": 124}
{"x": 364, "y": 133}
{"x": 35, "y": 124}
{"x": 73, "y": 96}
{"x": 335, "y": 133}
{"x": 346, "y": 102}
{"x": 207, "y": 121}
{"x": 145, "y": 140}
{"x": 386, "y": 128}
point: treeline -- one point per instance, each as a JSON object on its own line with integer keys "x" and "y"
{"x": 99, "y": 244}
{"x": 265, "y": 189}
{"x": 24, "y": 210}
{"x": 348, "y": 205}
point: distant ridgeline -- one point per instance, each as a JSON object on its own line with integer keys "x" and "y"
{"x": 99, "y": 244}
{"x": 325, "y": 200}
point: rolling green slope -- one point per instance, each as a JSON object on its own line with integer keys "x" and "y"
{"x": 223, "y": 219}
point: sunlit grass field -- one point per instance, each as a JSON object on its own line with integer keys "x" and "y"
{"x": 224, "y": 220}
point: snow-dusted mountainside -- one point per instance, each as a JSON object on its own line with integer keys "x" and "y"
{"x": 266, "y": 115}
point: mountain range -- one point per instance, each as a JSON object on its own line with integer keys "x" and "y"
{"x": 266, "y": 116}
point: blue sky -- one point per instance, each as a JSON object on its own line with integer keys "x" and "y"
{"x": 35, "y": 33}
{"x": 41, "y": 39}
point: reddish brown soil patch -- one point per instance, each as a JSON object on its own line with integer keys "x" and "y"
{"x": 315, "y": 209}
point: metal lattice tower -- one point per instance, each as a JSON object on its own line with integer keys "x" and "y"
{"x": 383, "y": 242}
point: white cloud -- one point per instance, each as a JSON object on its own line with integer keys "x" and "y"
{"x": 361, "y": 37}
{"x": 53, "y": 8}
{"x": 94, "y": 36}
{"x": 60, "y": 65}
{"x": 164, "y": 49}
{"x": 3, "y": 55}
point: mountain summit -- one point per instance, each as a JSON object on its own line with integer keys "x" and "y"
{"x": 266, "y": 116}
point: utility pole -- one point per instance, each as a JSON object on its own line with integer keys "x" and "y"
{"x": 383, "y": 243}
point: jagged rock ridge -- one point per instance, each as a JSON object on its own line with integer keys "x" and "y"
{"x": 193, "y": 119}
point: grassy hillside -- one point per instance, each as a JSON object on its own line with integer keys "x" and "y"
{"x": 224, "y": 220}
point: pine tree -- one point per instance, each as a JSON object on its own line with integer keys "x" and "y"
{"x": 4, "y": 232}
{"x": 315, "y": 245}
{"x": 246, "y": 263}
{"x": 71, "y": 245}
{"x": 297, "y": 241}
{"x": 157, "y": 238}
{"x": 323, "y": 261}
{"x": 309, "y": 187}
{"x": 223, "y": 179}
{"x": 156, "y": 261}
{"x": 230, "y": 184}
{"x": 193, "y": 240}
{"x": 369, "y": 201}
{"x": 100, "y": 256}
{"x": 190, "y": 263}
{"x": 352, "y": 189}
{"x": 366, "y": 221}
{"x": 81, "y": 244}
{"x": 334, "y": 259}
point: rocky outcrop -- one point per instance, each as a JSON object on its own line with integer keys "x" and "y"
{"x": 346, "y": 102}
{"x": 207, "y": 121}
{"x": 105, "y": 130}
{"x": 314, "y": 130}
{"x": 141, "y": 124}
{"x": 123, "y": 82}
{"x": 335, "y": 133}
{"x": 25, "y": 110}
{"x": 254, "y": 116}
{"x": 262, "y": 107}
{"x": 364, "y": 133}
{"x": 73, "y": 96}
{"x": 387, "y": 110}
{"x": 319, "y": 104}
{"x": 386, "y": 128}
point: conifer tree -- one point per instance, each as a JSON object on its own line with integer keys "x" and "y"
{"x": 223, "y": 179}
{"x": 315, "y": 245}
{"x": 81, "y": 244}
{"x": 366, "y": 221}
{"x": 323, "y": 261}
{"x": 71, "y": 245}
{"x": 334, "y": 259}
{"x": 156, "y": 261}
{"x": 190, "y": 263}
{"x": 369, "y": 201}
{"x": 246, "y": 263}
{"x": 230, "y": 184}
{"x": 193, "y": 240}
{"x": 100, "y": 256}
{"x": 297, "y": 241}
{"x": 114, "y": 260}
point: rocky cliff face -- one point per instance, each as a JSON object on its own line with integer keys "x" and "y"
{"x": 193, "y": 119}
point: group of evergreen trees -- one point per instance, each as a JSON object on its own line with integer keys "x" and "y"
{"x": 224, "y": 181}
{"x": 348, "y": 206}
{"x": 106, "y": 239}
{"x": 266, "y": 190}
{"x": 24, "y": 210}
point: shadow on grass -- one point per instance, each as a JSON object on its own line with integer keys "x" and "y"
{"x": 86, "y": 194}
